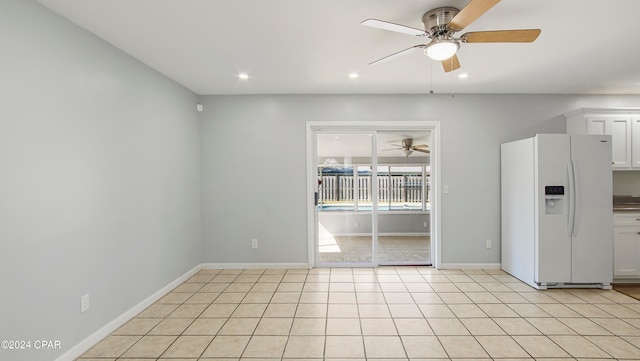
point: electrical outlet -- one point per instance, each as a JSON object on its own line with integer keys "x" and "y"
{"x": 445, "y": 189}
{"x": 84, "y": 303}
{"x": 487, "y": 243}
{"x": 254, "y": 243}
{"x": 426, "y": 225}
{"x": 357, "y": 224}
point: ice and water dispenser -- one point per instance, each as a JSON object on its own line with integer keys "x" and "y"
{"x": 553, "y": 199}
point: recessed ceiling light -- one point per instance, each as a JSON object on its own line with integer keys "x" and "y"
{"x": 243, "y": 76}
{"x": 463, "y": 76}
{"x": 353, "y": 75}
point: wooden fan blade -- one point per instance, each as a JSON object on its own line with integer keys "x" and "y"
{"x": 421, "y": 150}
{"x": 502, "y": 36}
{"x": 451, "y": 64}
{"x": 421, "y": 146}
{"x": 473, "y": 10}
{"x": 385, "y": 25}
{"x": 398, "y": 54}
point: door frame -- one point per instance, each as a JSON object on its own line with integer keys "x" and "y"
{"x": 337, "y": 126}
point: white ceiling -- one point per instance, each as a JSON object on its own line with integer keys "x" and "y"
{"x": 310, "y": 46}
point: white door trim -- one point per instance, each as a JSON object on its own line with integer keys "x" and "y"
{"x": 433, "y": 126}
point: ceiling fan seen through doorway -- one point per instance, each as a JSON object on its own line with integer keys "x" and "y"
{"x": 442, "y": 23}
{"x": 407, "y": 147}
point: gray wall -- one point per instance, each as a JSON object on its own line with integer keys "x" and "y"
{"x": 99, "y": 185}
{"x": 102, "y": 160}
{"x": 626, "y": 183}
{"x": 245, "y": 138}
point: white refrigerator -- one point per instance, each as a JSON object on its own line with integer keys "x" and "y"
{"x": 556, "y": 210}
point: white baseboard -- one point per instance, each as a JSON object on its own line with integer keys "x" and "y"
{"x": 470, "y": 266}
{"x": 255, "y": 266}
{"x": 103, "y": 332}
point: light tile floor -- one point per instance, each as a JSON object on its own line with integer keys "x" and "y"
{"x": 399, "y": 313}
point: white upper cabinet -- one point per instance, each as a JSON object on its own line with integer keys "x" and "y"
{"x": 635, "y": 139}
{"x": 623, "y": 125}
{"x": 619, "y": 128}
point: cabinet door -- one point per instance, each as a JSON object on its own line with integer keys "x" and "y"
{"x": 635, "y": 141}
{"x": 619, "y": 127}
{"x": 597, "y": 126}
{"x": 626, "y": 251}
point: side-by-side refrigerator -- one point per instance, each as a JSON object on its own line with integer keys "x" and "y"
{"x": 557, "y": 217}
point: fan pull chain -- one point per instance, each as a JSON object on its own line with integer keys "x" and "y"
{"x": 453, "y": 80}
{"x": 431, "y": 77}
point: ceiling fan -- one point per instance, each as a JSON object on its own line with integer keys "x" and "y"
{"x": 407, "y": 147}
{"x": 442, "y": 23}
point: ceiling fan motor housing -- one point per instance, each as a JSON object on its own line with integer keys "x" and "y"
{"x": 435, "y": 21}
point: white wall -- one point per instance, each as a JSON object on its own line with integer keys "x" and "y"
{"x": 99, "y": 180}
{"x": 246, "y": 138}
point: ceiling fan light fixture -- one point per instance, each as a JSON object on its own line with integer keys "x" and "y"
{"x": 441, "y": 49}
{"x": 407, "y": 152}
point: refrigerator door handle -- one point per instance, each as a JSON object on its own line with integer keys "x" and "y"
{"x": 571, "y": 221}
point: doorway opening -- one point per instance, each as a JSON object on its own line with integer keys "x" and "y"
{"x": 374, "y": 194}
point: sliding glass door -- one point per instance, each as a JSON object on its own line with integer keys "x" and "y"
{"x": 373, "y": 198}
{"x": 344, "y": 197}
{"x": 403, "y": 198}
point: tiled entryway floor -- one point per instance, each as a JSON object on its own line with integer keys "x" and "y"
{"x": 384, "y": 313}
{"x": 391, "y": 249}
